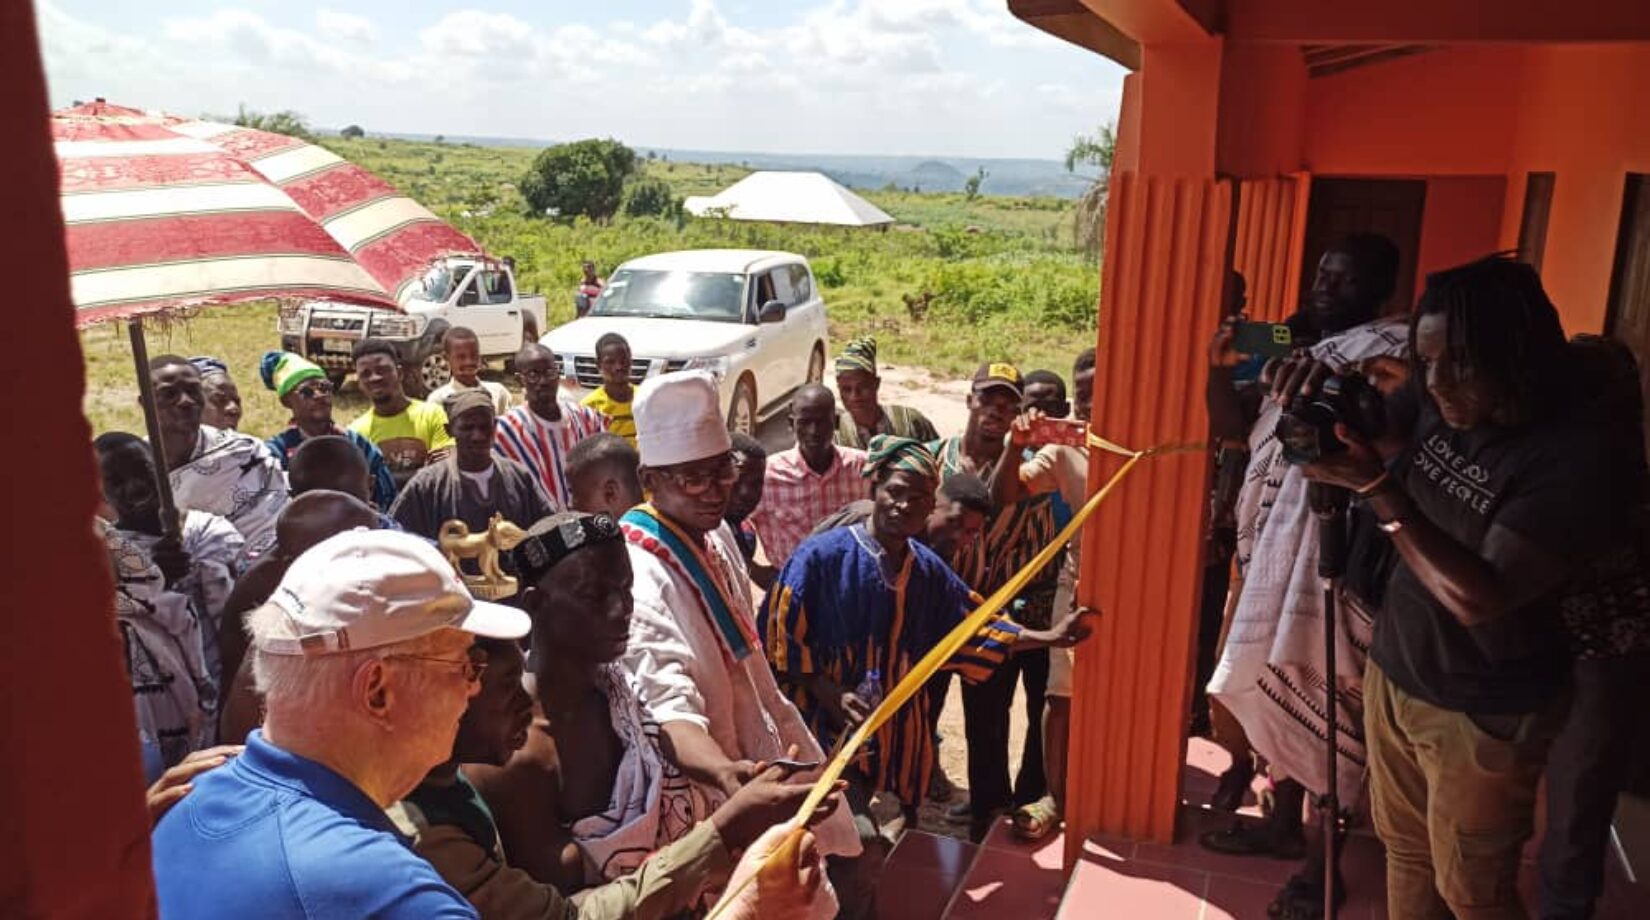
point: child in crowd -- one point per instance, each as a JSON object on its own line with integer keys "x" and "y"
{"x": 612, "y": 398}
{"x": 463, "y": 351}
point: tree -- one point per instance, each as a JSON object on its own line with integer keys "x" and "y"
{"x": 584, "y": 177}
{"x": 971, "y": 188}
{"x": 352, "y": 132}
{"x": 1097, "y": 151}
{"x": 285, "y": 122}
{"x": 651, "y": 197}
{"x": 441, "y": 139}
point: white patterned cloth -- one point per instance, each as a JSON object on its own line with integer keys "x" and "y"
{"x": 235, "y": 476}
{"x": 686, "y": 671}
{"x": 215, "y": 549}
{"x": 174, "y": 698}
{"x": 1270, "y": 675}
{"x": 652, "y": 804}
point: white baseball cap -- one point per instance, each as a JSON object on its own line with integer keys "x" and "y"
{"x": 368, "y": 588}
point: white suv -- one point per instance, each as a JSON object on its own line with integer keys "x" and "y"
{"x": 753, "y": 318}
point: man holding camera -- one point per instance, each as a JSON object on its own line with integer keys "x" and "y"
{"x": 1270, "y": 674}
{"x": 1495, "y": 501}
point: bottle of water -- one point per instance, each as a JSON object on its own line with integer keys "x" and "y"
{"x": 870, "y": 691}
{"x": 870, "y": 688}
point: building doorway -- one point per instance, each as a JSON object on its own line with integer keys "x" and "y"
{"x": 1390, "y": 207}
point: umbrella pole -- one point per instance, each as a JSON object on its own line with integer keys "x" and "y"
{"x": 157, "y": 446}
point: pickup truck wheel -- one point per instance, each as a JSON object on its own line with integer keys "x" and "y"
{"x": 433, "y": 371}
{"x": 742, "y": 414}
{"x": 816, "y": 363}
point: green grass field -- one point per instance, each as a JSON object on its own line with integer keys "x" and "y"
{"x": 1002, "y": 276}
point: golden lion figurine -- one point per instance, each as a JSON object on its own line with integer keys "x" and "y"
{"x": 458, "y": 544}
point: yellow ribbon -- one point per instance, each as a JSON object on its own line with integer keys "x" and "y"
{"x": 948, "y": 646}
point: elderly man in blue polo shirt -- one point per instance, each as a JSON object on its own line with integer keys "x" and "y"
{"x": 364, "y": 658}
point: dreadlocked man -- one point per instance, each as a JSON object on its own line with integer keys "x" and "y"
{"x": 1495, "y": 503}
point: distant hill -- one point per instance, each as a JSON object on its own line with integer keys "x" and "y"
{"x": 1004, "y": 176}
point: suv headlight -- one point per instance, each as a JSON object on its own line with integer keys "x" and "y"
{"x": 717, "y": 364}
{"x": 394, "y": 325}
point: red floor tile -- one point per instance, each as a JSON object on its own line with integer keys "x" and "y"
{"x": 1133, "y": 890}
{"x": 915, "y": 894}
{"x": 1008, "y": 884}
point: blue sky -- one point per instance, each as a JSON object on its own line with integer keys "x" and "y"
{"x": 917, "y": 77}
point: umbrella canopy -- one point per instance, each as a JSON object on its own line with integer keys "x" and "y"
{"x": 163, "y": 212}
{"x": 789, "y": 197}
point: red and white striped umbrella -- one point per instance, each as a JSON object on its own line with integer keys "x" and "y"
{"x": 164, "y": 212}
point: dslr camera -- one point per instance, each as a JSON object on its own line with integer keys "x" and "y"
{"x": 1307, "y": 427}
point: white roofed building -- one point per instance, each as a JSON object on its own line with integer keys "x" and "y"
{"x": 789, "y": 197}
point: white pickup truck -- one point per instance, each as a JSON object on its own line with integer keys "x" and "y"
{"x": 755, "y": 319}
{"x": 471, "y": 291}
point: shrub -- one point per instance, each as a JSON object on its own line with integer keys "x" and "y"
{"x": 584, "y": 178}
{"x": 651, "y": 197}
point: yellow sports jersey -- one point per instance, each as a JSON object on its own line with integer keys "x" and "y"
{"x": 409, "y": 438}
{"x": 619, "y": 419}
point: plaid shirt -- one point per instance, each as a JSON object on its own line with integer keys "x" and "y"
{"x": 795, "y": 498}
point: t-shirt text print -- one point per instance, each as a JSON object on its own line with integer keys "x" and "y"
{"x": 1455, "y": 475}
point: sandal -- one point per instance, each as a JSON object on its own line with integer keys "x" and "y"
{"x": 1037, "y": 820}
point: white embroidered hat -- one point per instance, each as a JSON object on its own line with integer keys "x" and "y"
{"x": 369, "y": 588}
{"x": 679, "y": 419}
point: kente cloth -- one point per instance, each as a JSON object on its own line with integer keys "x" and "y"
{"x": 900, "y": 421}
{"x": 542, "y": 445}
{"x": 685, "y": 664}
{"x": 1270, "y": 674}
{"x": 235, "y": 476}
{"x": 653, "y": 803}
{"x": 838, "y": 610}
{"x": 214, "y": 548}
{"x": 1013, "y": 536}
{"x": 795, "y": 497}
{"x": 894, "y": 453}
{"x": 441, "y": 492}
{"x": 174, "y": 697}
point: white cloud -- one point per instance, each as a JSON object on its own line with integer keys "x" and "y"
{"x": 874, "y": 76}
{"x": 345, "y": 27}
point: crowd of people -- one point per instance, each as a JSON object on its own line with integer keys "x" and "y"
{"x": 333, "y": 724}
{"x": 1492, "y": 620}
{"x": 336, "y": 722}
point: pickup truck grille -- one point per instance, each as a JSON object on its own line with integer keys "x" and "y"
{"x": 337, "y": 323}
{"x": 587, "y": 375}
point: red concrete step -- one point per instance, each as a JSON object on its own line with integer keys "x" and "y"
{"x": 922, "y": 874}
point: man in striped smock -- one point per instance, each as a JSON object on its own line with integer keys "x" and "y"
{"x": 869, "y": 597}
{"x": 539, "y": 433}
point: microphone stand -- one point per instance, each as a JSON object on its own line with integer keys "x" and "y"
{"x": 1329, "y": 505}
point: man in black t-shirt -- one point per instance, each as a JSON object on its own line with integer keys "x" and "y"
{"x": 1494, "y": 506}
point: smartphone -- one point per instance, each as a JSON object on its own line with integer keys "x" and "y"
{"x": 1067, "y": 431}
{"x": 796, "y": 766}
{"x": 1264, "y": 340}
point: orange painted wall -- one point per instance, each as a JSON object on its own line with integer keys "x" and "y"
{"x": 77, "y": 831}
{"x": 1447, "y": 112}
{"x": 1262, "y": 110}
{"x": 1180, "y": 85}
{"x": 1582, "y": 117}
{"x": 1462, "y": 222}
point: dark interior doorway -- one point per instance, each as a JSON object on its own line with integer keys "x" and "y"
{"x": 1391, "y": 207}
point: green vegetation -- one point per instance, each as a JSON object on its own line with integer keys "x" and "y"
{"x": 955, "y": 282}
{"x": 582, "y": 179}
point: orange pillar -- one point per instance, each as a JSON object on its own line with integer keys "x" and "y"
{"x": 1167, "y": 234}
{"x": 78, "y": 834}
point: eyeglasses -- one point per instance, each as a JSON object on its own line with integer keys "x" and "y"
{"x": 472, "y": 668}
{"x": 315, "y": 389}
{"x": 698, "y": 482}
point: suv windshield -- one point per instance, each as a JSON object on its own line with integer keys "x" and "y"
{"x": 714, "y": 296}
